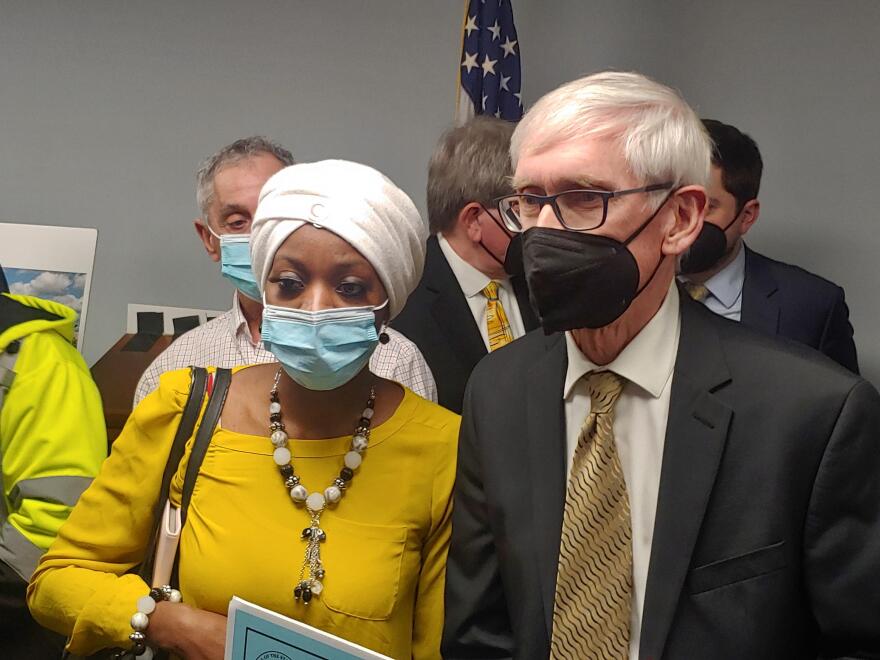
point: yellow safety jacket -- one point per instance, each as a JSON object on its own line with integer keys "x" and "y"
{"x": 52, "y": 433}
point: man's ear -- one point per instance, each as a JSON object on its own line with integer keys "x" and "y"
{"x": 212, "y": 245}
{"x": 750, "y": 213}
{"x": 689, "y": 209}
{"x": 468, "y": 222}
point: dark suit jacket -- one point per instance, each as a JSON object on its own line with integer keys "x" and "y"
{"x": 788, "y": 301}
{"x": 767, "y": 535}
{"x": 438, "y": 320}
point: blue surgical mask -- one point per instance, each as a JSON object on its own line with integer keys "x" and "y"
{"x": 235, "y": 263}
{"x": 321, "y": 350}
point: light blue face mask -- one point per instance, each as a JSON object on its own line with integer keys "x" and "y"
{"x": 235, "y": 263}
{"x": 321, "y": 350}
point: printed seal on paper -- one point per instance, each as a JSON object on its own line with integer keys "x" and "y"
{"x": 273, "y": 655}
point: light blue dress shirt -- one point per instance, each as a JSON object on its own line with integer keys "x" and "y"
{"x": 726, "y": 288}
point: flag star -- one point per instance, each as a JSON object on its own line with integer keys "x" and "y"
{"x": 485, "y": 98}
{"x": 496, "y": 31}
{"x": 503, "y": 83}
{"x": 488, "y": 66}
{"x": 498, "y": 113}
{"x": 508, "y": 46}
{"x": 518, "y": 96}
{"x": 471, "y": 25}
{"x": 470, "y": 61}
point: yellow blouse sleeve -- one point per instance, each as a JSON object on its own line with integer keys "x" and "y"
{"x": 428, "y": 616}
{"x": 80, "y": 587}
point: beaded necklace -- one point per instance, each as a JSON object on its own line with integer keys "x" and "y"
{"x": 312, "y": 572}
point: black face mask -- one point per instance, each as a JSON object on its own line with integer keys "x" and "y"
{"x": 580, "y": 280}
{"x": 513, "y": 260}
{"x": 707, "y": 250}
{"x": 507, "y": 233}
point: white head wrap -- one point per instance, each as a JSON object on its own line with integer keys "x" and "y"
{"x": 357, "y": 203}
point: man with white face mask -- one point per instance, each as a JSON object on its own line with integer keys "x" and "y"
{"x": 228, "y": 188}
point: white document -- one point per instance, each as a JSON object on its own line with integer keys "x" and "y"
{"x": 255, "y": 633}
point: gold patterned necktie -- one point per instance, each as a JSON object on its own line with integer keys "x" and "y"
{"x": 698, "y": 292}
{"x": 591, "y": 614}
{"x": 496, "y": 320}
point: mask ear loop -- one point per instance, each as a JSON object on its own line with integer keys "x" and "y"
{"x": 501, "y": 226}
{"x": 635, "y": 235}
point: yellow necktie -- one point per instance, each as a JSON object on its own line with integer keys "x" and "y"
{"x": 696, "y": 291}
{"x": 496, "y": 319}
{"x": 591, "y": 616}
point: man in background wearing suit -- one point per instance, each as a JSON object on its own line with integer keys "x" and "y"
{"x": 647, "y": 479}
{"x": 466, "y": 304}
{"x": 740, "y": 284}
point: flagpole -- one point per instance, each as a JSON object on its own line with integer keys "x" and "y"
{"x": 460, "y": 50}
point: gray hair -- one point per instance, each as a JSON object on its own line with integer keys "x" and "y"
{"x": 471, "y": 163}
{"x": 661, "y": 136}
{"x": 232, "y": 153}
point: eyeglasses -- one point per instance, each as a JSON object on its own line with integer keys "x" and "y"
{"x": 577, "y": 210}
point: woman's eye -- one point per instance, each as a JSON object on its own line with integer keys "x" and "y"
{"x": 290, "y": 284}
{"x": 350, "y": 289}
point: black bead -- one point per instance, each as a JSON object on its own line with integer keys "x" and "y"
{"x": 286, "y": 470}
{"x": 384, "y": 338}
{"x": 306, "y": 533}
{"x": 139, "y": 648}
{"x": 156, "y": 594}
{"x": 275, "y": 417}
{"x": 346, "y": 473}
{"x": 306, "y": 595}
{"x": 364, "y": 422}
{"x": 297, "y": 592}
{"x": 322, "y": 535}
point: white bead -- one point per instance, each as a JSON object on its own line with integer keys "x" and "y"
{"x": 279, "y": 438}
{"x": 140, "y": 621}
{"x": 274, "y": 408}
{"x": 146, "y": 605}
{"x": 359, "y": 443}
{"x": 353, "y": 460}
{"x": 317, "y": 587}
{"x": 368, "y": 413}
{"x": 175, "y": 596}
{"x": 299, "y": 493}
{"x": 146, "y": 655}
{"x": 332, "y": 494}
{"x": 281, "y": 456}
{"x": 315, "y": 502}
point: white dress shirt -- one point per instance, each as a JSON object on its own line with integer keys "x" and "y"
{"x": 726, "y": 288}
{"x": 472, "y": 283}
{"x": 226, "y": 342}
{"x": 639, "y": 428}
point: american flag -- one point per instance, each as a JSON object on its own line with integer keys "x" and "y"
{"x": 490, "y": 65}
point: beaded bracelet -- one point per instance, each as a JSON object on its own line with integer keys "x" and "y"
{"x": 141, "y": 619}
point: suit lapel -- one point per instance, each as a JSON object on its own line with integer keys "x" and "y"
{"x": 760, "y": 304}
{"x": 450, "y": 308}
{"x": 546, "y": 456}
{"x": 696, "y": 433}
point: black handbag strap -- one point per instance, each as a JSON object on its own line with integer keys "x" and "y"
{"x": 222, "y": 378}
{"x": 191, "y": 410}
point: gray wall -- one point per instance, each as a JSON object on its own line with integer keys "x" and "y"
{"x": 106, "y": 108}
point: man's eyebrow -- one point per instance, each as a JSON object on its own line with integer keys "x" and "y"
{"x": 567, "y": 183}
{"x": 228, "y": 209}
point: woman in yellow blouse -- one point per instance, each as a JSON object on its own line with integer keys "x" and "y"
{"x": 336, "y": 248}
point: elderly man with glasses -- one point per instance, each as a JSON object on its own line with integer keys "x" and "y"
{"x": 646, "y": 479}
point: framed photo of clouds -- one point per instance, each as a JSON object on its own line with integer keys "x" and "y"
{"x": 54, "y": 263}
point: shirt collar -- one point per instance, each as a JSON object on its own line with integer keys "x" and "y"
{"x": 727, "y": 284}
{"x": 237, "y": 321}
{"x": 648, "y": 359}
{"x": 471, "y": 280}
